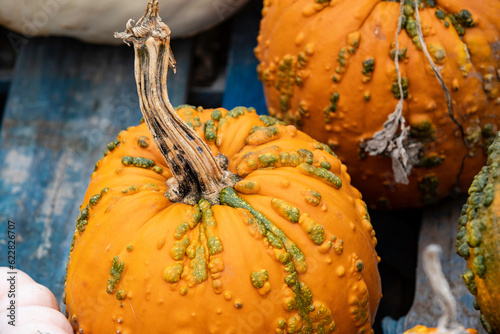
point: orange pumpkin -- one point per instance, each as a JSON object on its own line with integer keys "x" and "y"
{"x": 329, "y": 68}
{"x": 277, "y": 242}
{"x": 419, "y": 329}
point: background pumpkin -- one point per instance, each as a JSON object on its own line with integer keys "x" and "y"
{"x": 76, "y": 18}
{"x": 258, "y": 262}
{"x": 36, "y": 308}
{"x": 424, "y": 330}
{"x": 477, "y": 241}
{"x": 328, "y": 67}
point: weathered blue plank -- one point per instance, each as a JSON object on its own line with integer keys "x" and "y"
{"x": 391, "y": 326}
{"x": 242, "y": 86}
{"x": 7, "y": 55}
{"x": 67, "y": 101}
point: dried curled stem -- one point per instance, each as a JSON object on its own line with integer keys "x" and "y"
{"x": 196, "y": 172}
{"x": 148, "y": 25}
{"x": 432, "y": 266}
{"x": 399, "y": 146}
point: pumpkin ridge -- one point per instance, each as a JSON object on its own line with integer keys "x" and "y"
{"x": 303, "y": 296}
{"x": 278, "y": 153}
{"x": 196, "y": 247}
{"x": 375, "y": 4}
{"x": 229, "y": 197}
{"x": 126, "y": 138}
{"x": 327, "y": 192}
{"x": 237, "y": 129}
{"x": 352, "y": 44}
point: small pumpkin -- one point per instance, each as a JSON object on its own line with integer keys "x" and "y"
{"x": 329, "y": 67}
{"x": 419, "y": 329}
{"x": 35, "y": 309}
{"x": 478, "y": 240}
{"x": 73, "y": 18}
{"x": 260, "y": 230}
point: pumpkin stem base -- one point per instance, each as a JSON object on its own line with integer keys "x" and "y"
{"x": 196, "y": 172}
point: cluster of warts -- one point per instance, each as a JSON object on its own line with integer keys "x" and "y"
{"x": 307, "y": 319}
{"x": 288, "y": 73}
{"x": 480, "y": 137}
{"x": 460, "y": 20}
{"x": 285, "y": 73}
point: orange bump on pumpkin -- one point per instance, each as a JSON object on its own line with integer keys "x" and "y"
{"x": 328, "y": 67}
{"x": 272, "y": 252}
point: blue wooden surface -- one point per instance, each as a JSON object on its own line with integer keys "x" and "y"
{"x": 391, "y": 326}
{"x": 242, "y": 86}
{"x": 67, "y": 101}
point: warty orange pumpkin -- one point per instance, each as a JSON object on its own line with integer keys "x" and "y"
{"x": 260, "y": 230}
{"x": 329, "y": 67}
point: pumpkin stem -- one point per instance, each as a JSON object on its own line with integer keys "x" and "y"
{"x": 399, "y": 146}
{"x": 432, "y": 266}
{"x": 196, "y": 172}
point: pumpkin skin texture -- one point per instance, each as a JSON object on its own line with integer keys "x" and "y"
{"x": 424, "y": 330}
{"x": 133, "y": 221}
{"x": 36, "y": 308}
{"x": 75, "y": 18}
{"x": 478, "y": 242}
{"x": 328, "y": 67}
